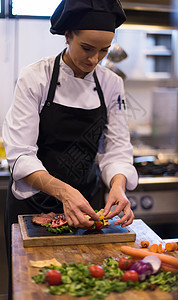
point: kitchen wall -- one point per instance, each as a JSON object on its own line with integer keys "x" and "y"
{"x": 25, "y": 41}
{"x": 7, "y": 38}
{"x": 22, "y": 42}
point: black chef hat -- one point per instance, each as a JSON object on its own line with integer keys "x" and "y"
{"x": 103, "y": 15}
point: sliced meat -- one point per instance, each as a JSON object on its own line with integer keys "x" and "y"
{"x": 56, "y": 220}
{"x": 48, "y": 216}
{"x": 43, "y": 218}
{"x": 52, "y": 215}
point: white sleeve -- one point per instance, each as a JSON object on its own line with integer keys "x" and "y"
{"x": 21, "y": 125}
{"x": 115, "y": 155}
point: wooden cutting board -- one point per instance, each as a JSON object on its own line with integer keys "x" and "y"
{"x": 35, "y": 235}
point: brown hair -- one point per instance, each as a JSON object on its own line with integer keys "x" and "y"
{"x": 70, "y": 33}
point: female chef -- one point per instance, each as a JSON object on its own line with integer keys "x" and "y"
{"x": 68, "y": 113}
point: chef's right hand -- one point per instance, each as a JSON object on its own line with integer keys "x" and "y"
{"x": 75, "y": 207}
{"x": 74, "y": 204}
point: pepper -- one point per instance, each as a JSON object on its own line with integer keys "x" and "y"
{"x": 98, "y": 225}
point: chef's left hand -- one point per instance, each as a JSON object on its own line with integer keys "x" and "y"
{"x": 117, "y": 197}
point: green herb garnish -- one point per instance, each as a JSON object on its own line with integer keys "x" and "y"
{"x": 62, "y": 229}
{"x": 77, "y": 280}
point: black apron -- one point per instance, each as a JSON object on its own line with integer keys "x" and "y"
{"x": 67, "y": 145}
{"x": 69, "y": 138}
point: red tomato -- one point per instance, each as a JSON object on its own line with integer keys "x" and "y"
{"x": 99, "y": 225}
{"x": 96, "y": 271}
{"x": 130, "y": 275}
{"x": 53, "y": 277}
{"x": 96, "y": 226}
{"x": 125, "y": 263}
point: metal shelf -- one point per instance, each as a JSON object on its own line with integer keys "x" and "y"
{"x": 155, "y": 180}
{"x": 157, "y": 52}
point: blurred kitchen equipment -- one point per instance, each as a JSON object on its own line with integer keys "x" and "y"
{"x": 150, "y": 12}
{"x": 110, "y": 65}
{"x": 115, "y": 55}
{"x": 155, "y": 202}
{"x": 165, "y": 118}
{"x": 155, "y": 198}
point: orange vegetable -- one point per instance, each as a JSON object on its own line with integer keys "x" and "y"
{"x": 154, "y": 248}
{"x": 165, "y": 258}
{"x": 160, "y": 249}
{"x": 146, "y": 249}
{"x": 171, "y": 246}
{"x": 144, "y": 244}
{"x": 168, "y": 268}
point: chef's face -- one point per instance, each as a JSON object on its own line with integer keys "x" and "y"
{"x": 86, "y": 48}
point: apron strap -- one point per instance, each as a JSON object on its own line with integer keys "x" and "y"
{"x": 101, "y": 96}
{"x": 54, "y": 79}
{"x": 98, "y": 88}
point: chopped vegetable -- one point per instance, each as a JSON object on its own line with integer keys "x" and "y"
{"x": 98, "y": 225}
{"x": 61, "y": 229}
{"x": 53, "y": 277}
{"x": 171, "y": 246}
{"x": 125, "y": 263}
{"x": 78, "y": 281}
{"x": 131, "y": 275}
{"x": 154, "y": 248}
{"x": 111, "y": 268}
{"x": 160, "y": 249}
{"x": 57, "y": 223}
{"x": 143, "y": 269}
{"x": 138, "y": 253}
{"x": 166, "y": 281}
{"x": 154, "y": 261}
{"x": 96, "y": 271}
{"x": 144, "y": 244}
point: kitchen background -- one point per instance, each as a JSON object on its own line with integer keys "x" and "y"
{"x": 145, "y": 54}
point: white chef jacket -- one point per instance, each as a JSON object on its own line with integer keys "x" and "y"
{"x": 21, "y": 125}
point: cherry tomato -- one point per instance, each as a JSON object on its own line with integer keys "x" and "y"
{"x": 130, "y": 275}
{"x": 99, "y": 225}
{"x": 96, "y": 226}
{"x": 125, "y": 263}
{"x": 96, "y": 271}
{"x": 53, "y": 277}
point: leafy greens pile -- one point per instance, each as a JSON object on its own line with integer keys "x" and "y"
{"x": 61, "y": 229}
{"x": 77, "y": 280}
